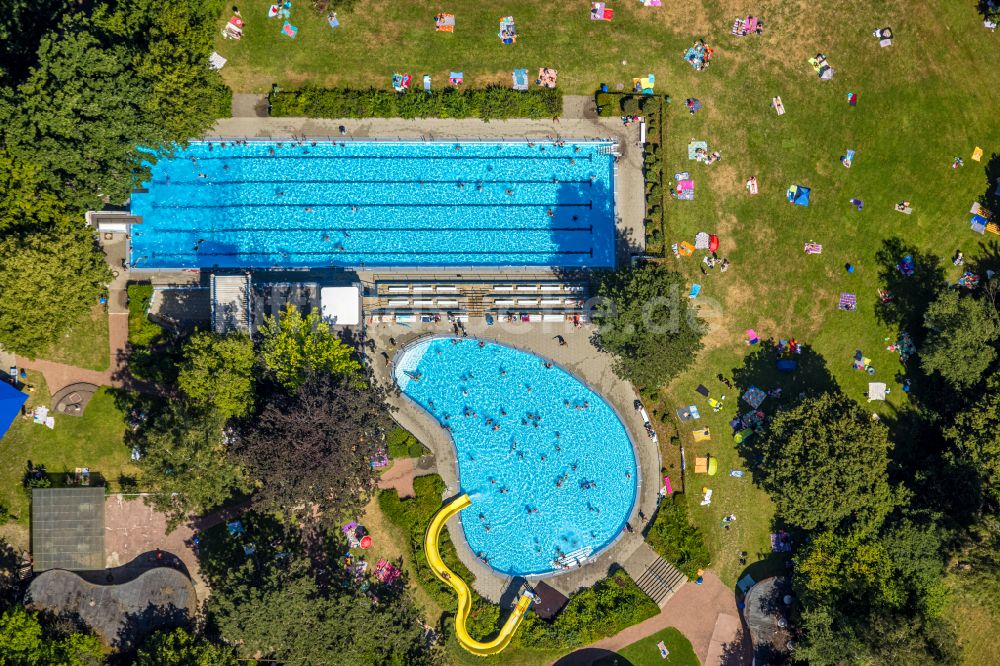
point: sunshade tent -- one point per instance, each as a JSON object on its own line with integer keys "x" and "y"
{"x": 10, "y": 405}
{"x": 799, "y": 195}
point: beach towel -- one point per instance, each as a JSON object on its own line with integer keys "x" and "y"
{"x": 752, "y": 337}
{"x": 273, "y": 11}
{"x": 685, "y": 190}
{"x": 685, "y": 249}
{"x": 813, "y": 248}
{"x": 703, "y": 435}
{"x": 233, "y": 29}
{"x": 667, "y": 486}
{"x": 444, "y": 23}
{"x": 664, "y": 652}
{"x": 547, "y": 77}
{"x": 456, "y": 78}
{"x": 289, "y": 30}
{"x": 778, "y": 105}
{"x": 848, "y": 302}
{"x": 333, "y": 20}
{"x": 706, "y": 496}
{"x": 688, "y": 413}
{"x": 216, "y": 61}
{"x": 701, "y": 241}
{"x": 852, "y": 99}
{"x": 738, "y": 473}
{"x": 427, "y": 83}
{"x": 752, "y": 185}
{"x": 520, "y": 77}
{"x": 876, "y": 391}
{"x": 695, "y": 290}
{"x": 702, "y": 390}
{"x": 598, "y": 12}
{"x": 508, "y": 31}
{"x": 739, "y": 29}
{"x": 977, "y": 154}
{"x": 652, "y": 3}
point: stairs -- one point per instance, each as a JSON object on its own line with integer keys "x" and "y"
{"x": 230, "y": 303}
{"x": 474, "y": 297}
{"x": 660, "y": 580}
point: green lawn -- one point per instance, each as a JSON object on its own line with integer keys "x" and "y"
{"x": 646, "y": 653}
{"x": 94, "y": 440}
{"x": 85, "y": 344}
{"x": 928, "y": 98}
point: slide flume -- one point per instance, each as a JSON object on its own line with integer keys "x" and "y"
{"x": 448, "y": 577}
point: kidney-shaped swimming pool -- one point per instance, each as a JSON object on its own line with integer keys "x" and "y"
{"x": 548, "y": 464}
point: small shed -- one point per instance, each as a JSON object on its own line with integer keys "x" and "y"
{"x": 67, "y": 528}
{"x": 550, "y": 601}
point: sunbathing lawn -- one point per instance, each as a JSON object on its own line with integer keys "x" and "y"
{"x": 922, "y": 102}
{"x": 85, "y": 344}
{"x": 646, "y": 653}
{"x": 94, "y": 440}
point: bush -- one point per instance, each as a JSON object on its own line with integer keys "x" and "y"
{"x": 493, "y": 102}
{"x": 608, "y": 104}
{"x": 677, "y": 540}
{"x": 141, "y": 331}
{"x": 412, "y": 516}
{"x": 402, "y": 444}
{"x": 591, "y": 614}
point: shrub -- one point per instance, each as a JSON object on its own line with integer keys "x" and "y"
{"x": 412, "y": 516}
{"x": 676, "y": 539}
{"x": 493, "y": 102}
{"x": 402, "y": 444}
{"x": 631, "y": 106}
{"x": 141, "y": 331}
{"x": 591, "y": 614}
{"x": 608, "y": 104}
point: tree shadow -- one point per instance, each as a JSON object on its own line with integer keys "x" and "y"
{"x": 991, "y": 197}
{"x": 760, "y": 369}
{"x": 135, "y": 627}
{"x": 261, "y": 540}
{"x": 910, "y": 294}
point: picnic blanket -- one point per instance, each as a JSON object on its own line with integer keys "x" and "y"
{"x": 290, "y": 30}
{"x": 752, "y": 337}
{"x": 456, "y": 78}
{"x": 598, "y": 12}
{"x": 332, "y": 20}
{"x": 693, "y": 150}
{"x": 778, "y": 105}
{"x": 444, "y": 23}
{"x": 752, "y": 185}
{"x": 876, "y": 391}
{"x": 754, "y": 396}
{"x": 645, "y": 84}
{"x": 695, "y": 290}
{"x": 848, "y": 302}
{"x": 701, "y": 241}
{"x": 813, "y": 248}
{"x": 233, "y": 29}
{"x": 698, "y": 55}
{"x": 906, "y": 266}
{"x": 547, "y": 77}
{"x": 684, "y": 190}
{"x": 652, "y": 3}
{"x": 688, "y": 413}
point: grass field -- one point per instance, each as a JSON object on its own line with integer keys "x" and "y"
{"x": 85, "y": 344}
{"x": 930, "y": 97}
{"x": 646, "y": 653}
{"x": 95, "y": 440}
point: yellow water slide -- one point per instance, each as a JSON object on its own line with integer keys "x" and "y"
{"x": 448, "y": 577}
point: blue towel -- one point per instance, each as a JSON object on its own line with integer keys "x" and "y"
{"x": 695, "y": 290}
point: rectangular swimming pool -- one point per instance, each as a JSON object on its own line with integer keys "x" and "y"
{"x": 378, "y": 204}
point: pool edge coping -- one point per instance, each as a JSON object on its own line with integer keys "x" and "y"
{"x": 636, "y": 499}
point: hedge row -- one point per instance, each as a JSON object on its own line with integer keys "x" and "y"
{"x": 491, "y": 103}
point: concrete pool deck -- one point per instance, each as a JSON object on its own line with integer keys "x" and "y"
{"x": 579, "y": 121}
{"x": 581, "y": 358}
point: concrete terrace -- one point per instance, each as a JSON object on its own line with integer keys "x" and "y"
{"x": 581, "y": 358}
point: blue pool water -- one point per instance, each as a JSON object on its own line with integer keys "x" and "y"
{"x": 523, "y": 466}
{"x": 377, "y": 204}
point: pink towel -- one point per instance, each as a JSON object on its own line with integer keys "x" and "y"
{"x": 666, "y": 484}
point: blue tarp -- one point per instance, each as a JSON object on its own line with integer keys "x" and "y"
{"x": 799, "y": 195}
{"x": 10, "y": 405}
{"x": 787, "y": 364}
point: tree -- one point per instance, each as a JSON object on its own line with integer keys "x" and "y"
{"x": 646, "y": 321}
{"x": 49, "y": 280}
{"x": 295, "y": 348}
{"x": 24, "y": 202}
{"x": 218, "y": 373}
{"x": 286, "y": 618}
{"x": 959, "y": 345}
{"x": 24, "y": 641}
{"x": 825, "y": 464}
{"x": 183, "y": 460}
{"x": 314, "y": 448}
{"x": 975, "y": 440}
{"x": 179, "y": 648}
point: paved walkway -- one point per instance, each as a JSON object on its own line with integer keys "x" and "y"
{"x": 706, "y": 614}
{"x": 399, "y": 477}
